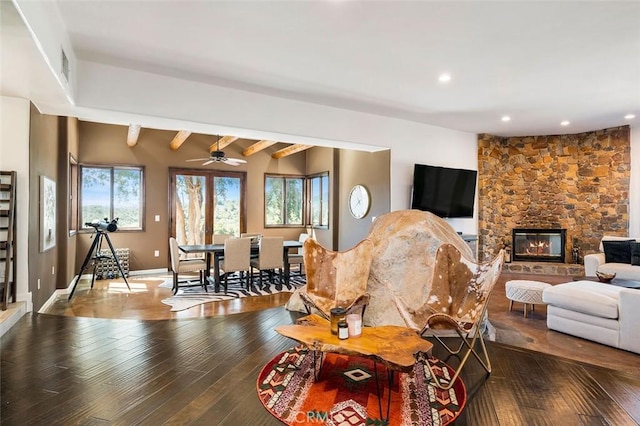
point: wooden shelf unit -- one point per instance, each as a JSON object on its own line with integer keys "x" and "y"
{"x": 8, "y": 249}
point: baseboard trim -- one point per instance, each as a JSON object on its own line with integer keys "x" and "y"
{"x": 62, "y": 292}
{"x": 148, "y": 272}
{"x": 11, "y": 316}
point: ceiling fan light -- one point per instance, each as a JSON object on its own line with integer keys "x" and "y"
{"x": 218, "y": 156}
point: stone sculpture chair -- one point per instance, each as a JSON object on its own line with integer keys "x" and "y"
{"x": 336, "y": 278}
{"x": 424, "y": 276}
{"x": 459, "y": 302}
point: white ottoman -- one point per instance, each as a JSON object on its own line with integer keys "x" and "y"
{"x": 525, "y": 291}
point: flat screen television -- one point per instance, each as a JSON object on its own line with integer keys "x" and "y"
{"x": 444, "y": 191}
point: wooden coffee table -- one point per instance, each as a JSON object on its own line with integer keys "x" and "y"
{"x": 395, "y": 347}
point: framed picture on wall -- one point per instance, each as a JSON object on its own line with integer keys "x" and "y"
{"x": 47, "y": 213}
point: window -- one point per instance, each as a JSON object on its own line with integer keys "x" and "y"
{"x": 112, "y": 192}
{"x": 319, "y": 200}
{"x": 205, "y": 203}
{"x": 283, "y": 199}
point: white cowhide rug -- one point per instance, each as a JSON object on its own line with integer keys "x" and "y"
{"x": 188, "y": 297}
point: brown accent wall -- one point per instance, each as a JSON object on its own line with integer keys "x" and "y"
{"x": 320, "y": 160}
{"x": 69, "y": 260}
{"x": 373, "y": 171}
{"x": 43, "y": 161}
{"x": 347, "y": 168}
{"x": 579, "y": 182}
{"x": 67, "y": 144}
{"x": 106, "y": 144}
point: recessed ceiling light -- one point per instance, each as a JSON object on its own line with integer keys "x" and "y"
{"x": 565, "y": 123}
{"x": 506, "y": 118}
{"x": 444, "y": 78}
{"x": 629, "y": 116}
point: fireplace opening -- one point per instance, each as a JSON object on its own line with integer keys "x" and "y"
{"x": 538, "y": 245}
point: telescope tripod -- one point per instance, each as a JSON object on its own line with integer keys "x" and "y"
{"x": 94, "y": 254}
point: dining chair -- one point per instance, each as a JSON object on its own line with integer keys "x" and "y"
{"x": 297, "y": 258}
{"x": 254, "y": 237}
{"x": 270, "y": 257}
{"x": 336, "y": 279}
{"x": 251, "y": 235}
{"x": 179, "y": 266}
{"x": 221, "y": 238}
{"x": 237, "y": 255}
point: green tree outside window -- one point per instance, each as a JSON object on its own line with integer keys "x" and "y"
{"x": 112, "y": 192}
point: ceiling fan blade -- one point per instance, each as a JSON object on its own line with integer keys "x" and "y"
{"x": 236, "y": 160}
{"x": 198, "y": 159}
{"x": 206, "y": 163}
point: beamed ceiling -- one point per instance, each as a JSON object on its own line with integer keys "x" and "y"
{"x": 222, "y": 142}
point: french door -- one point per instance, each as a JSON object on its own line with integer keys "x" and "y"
{"x": 206, "y": 202}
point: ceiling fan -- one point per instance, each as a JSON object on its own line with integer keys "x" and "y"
{"x": 218, "y": 156}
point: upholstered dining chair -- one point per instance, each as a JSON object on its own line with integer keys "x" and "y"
{"x": 336, "y": 278}
{"x": 237, "y": 256}
{"x": 298, "y": 258}
{"x": 221, "y": 238}
{"x": 251, "y": 235}
{"x": 460, "y": 295}
{"x": 269, "y": 258}
{"x": 254, "y": 237}
{"x": 179, "y": 266}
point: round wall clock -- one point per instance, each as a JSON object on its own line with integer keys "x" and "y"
{"x": 358, "y": 201}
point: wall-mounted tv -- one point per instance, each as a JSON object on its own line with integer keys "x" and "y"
{"x": 444, "y": 191}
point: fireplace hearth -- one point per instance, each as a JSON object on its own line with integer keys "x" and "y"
{"x": 538, "y": 245}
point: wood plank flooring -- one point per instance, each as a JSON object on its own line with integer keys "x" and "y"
{"x": 58, "y": 370}
{"x": 87, "y": 364}
{"x": 110, "y": 299}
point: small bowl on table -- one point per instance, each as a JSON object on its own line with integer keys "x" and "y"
{"x": 604, "y": 277}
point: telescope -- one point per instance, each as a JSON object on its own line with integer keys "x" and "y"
{"x": 104, "y": 225}
{"x": 94, "y": 253}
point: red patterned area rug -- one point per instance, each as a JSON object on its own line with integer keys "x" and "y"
{"x": 345, "y": 393}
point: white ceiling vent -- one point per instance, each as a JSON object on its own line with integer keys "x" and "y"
{"x": 65, "y": 66}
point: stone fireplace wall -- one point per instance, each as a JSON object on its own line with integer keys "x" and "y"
{"x": 578, "y": 182}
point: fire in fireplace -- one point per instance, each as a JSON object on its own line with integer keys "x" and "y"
{"x": 538, "y": 245}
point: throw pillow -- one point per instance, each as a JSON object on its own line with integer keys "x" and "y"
{"x": 617, "y": 251}
{"x": 635, "y": 253}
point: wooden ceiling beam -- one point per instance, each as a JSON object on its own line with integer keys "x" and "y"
{"x": 292, "y": 149}
{"x": 132, "y": 134}
{"x": 257, "y": 147}
{"x": 224, "y": 142}
{"x": 179, "y": 139}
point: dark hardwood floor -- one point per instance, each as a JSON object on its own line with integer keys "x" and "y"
{"x": 201, "y": 368}
{"x": 59, "y": 370}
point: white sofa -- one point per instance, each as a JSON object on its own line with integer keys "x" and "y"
{"x": 603, "y": 313}
{"x": 596, "y": 262}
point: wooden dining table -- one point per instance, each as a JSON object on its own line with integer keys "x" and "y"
{"x": 216, "y": 251}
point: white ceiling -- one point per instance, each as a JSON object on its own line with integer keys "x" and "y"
{"x": 538, "y": 62}
{"x": 23, "y": 73}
